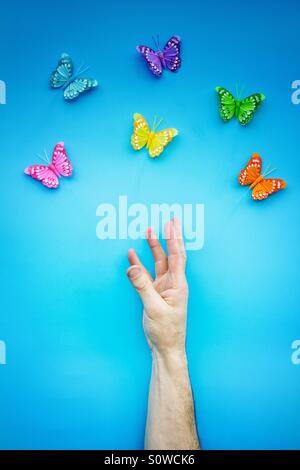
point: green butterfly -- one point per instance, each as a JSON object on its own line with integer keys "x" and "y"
{"x": 243, "y": 110}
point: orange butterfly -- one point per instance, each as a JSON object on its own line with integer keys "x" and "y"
{"x": 262, "y": 186}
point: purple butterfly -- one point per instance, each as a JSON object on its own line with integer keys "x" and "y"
{"x": 168, "y": 58}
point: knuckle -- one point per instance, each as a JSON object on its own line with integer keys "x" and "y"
{"x": 142, "y": 285}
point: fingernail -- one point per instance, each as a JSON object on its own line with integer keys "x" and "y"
{"x": 134, "y": 272}
{"x": 150, "y": 233}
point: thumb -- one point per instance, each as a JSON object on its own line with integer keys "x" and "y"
{"x": 142, "y": 284}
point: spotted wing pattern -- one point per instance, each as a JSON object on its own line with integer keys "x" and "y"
{"x": 160, "y": 141}
{"x": 171, "y": 53}
{"x": 141, "y": 132}
{"x": 152, "y": 59}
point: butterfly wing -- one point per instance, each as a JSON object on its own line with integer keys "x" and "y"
{"x": 44, "y": 174}
{"x": 252, "y": 170}
{"x": 248, "y": 107}
{"x": 227, "y": 103}
{"x": 160, "y": 140}
{"x": 60, "y": 160}
{"x": 266, "y": 187}
{"x": 171, "y": 53}
{"x": 63, "y": 72}
{"x": 141, "y": 132}
{"x": 79, "y": 86}
{"x": 152, "y": 59}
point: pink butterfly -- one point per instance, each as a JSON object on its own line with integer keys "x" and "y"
{"x": 49, "y": 174}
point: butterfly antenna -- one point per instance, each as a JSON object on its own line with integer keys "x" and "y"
{"x": 158, "y": 123}
{"x": 41, "y": 158}
{"x": 84, "y": 69}
{"x": 46, "y": 155}
{"x": 266, "y": 169}
{"x": 154, "y": 122}
{"x": 241, "y": 92}
{"x": 269, "y": 172}
{"x": 81, "y": 70}
{"x": 158, "y": 41}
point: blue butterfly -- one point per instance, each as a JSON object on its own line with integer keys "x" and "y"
{"x": 63, "y": 77}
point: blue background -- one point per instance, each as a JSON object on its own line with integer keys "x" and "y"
{"x": 78, "y": 366}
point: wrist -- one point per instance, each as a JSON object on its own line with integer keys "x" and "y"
{"x": 173, "y": 360}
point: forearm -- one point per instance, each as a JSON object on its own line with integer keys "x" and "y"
{"x": 171, "y": 418}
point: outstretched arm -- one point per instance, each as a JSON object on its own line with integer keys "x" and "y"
{"x": 171, "y": 418}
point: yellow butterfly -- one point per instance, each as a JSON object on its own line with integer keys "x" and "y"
{"x": 142, "y": 136}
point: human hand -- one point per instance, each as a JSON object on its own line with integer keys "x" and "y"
{"x": 165, "y": 297}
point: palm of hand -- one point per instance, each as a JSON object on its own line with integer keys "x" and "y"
{"x": 169, "y": 289}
